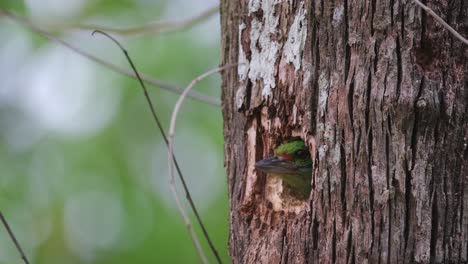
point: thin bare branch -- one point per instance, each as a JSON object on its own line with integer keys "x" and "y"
{"x": 438, "y": 18}
{"x": 187, "y": 90}
{"x": 187, "y": 219}
{"x": 147, "y": 79}
{"x": 157, "y": 26}
{"x": 171, "y": 141}
{"x": 182, "y": 179}
{"x": 13, "y": 238}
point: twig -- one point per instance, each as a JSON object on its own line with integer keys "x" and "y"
{"x": 156, "y": 83}
{"x": 438, "y": 18}
{"x": 161, "y": 130}
{"x": 155, "y": 27}
{"x": 171, "y": 141}
{"x": 13, "y": 238}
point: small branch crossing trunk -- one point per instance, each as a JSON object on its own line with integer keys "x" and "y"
{"x": 379, "y": 92}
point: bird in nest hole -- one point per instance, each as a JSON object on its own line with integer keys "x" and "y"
{"x": 292, "y": 163}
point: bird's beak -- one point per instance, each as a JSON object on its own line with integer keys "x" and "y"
{"x": 276, "y": 165}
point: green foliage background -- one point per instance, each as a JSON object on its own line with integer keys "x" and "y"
{"x": 123, "y": 160}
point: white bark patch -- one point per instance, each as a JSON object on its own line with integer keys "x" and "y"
{"x": 322, "y": 152}
{"x": 240, "y": 97}
{"x": 254, "y": 6}
{"x": 243, "y": 67}
{"x": 264, "y": 49}
{"x": 328, "y": 133}
{"x": 307, "y": 68}
{"x": 251, "y": 174}
{"x": 294, "y": 115}
{"x": 292, "y": 51}
{"x": 337, "y": 155}
{"x": 338, "y": 15}
{"x": 242, "y": 70}
{"x": 321, "y": 177}
{"x": 323, "y": 85}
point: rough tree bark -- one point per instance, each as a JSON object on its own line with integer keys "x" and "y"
{"x": 379, "y": 91}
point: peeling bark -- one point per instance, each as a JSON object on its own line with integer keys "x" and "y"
{"x": 379, "y": 91}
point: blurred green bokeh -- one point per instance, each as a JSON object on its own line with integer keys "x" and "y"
{"x": 83, "y": 169}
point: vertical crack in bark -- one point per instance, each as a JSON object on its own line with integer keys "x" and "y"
{"x": 457, "y": 200}
{"x": 408, "y": 188}
{"x": 284, "y": 250}
{"x": 248, "y": 93}
{"x": 434, "y": 227}
{"x": 391, "y": 12}
{"x": 349, "y": 245}
{"x": 389, "y": 240}
{"x": 376, "y": 58}
{"x": 368, "y": 94}
{"x": 315, "y": 164}
{"x": 344, "y": 177}
{"x": 358, "y": 144}
{"x": 399, "y": 68}
{"x": 380, "y": 245}
{"x": 334, "y": 242}
{"x": 445, "y": 215}
{"x": 347, "y": 58}
{"x": 369, "y": 153}
{"x": 315, "y": 234}
{"x": 329, "y": 187}
{"x": 423, "y": 25}
{"x": 387, "y": 153}
{"x": 307, "y": 241}
{"x": 414, "y": 133}
{"x": 382, "y": 104}
{"x": 351, "y": 104}
{"x": 408, "y": 171}
{"x": 389, "y": 188}
{"x": 462, "y": 195}
{"x": 450, "y": 14}
{"x": 402, "y": 16}
{"x": 463, "y": 184}
{"x": 232, "y": 186}
{"x": 322, "y": 7}
{"x": 372, "y": 16}
{"x": 460, "y": 15}
{"x": 437, "y": 127}
{"x": 443, "y": 105}
{"x": 371, "y": 185}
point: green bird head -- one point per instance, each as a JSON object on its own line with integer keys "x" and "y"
{"x": 293, "y": 164}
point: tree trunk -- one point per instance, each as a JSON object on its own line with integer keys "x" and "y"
{"x": 379, "y": 91}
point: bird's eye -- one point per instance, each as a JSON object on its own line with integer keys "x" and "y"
{"x": 302, "y": 154}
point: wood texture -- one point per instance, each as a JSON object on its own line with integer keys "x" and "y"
{"x": 379, "y": 91}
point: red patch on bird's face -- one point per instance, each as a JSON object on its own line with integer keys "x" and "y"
{"x": 285, "y": 156}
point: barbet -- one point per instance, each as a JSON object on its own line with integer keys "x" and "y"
{"x": 293, "y": 164}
